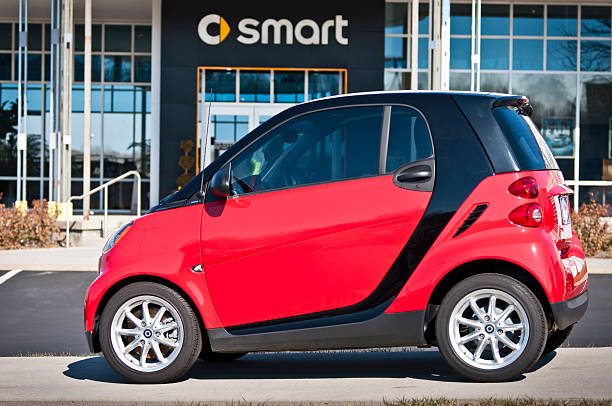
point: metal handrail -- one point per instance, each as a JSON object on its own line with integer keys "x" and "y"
{"x": 105, "y": 187}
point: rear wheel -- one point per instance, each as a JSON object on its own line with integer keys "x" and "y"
{"x": 149, "y": 333}
{"x": 490, "y": 328}
{"x": 556, "y": 338}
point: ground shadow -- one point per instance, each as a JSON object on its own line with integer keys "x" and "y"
{"x": 426, "y": 365}
{"x": 543, "y": 361}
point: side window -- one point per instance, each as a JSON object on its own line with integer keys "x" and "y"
{"x": 409, "y": 138}
{"x": 318, "y": 147}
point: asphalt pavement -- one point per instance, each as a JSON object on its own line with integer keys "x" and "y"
{"x": 302, "y": 378}
{"x": 42, "y": 313}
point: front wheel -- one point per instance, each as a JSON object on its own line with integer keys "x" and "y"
{"x": 149, "y": 333}
{"x": 491, "y": 328}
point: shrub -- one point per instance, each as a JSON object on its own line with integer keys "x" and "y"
{"x": 31, "y": 229}
{"x": 590, "y": 229}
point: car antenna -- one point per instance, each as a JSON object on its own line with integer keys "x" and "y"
{"x": 205, "y": 143}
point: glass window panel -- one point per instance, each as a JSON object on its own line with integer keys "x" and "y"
{"x": 527, "y": 54}
{"x": 34, "y": 102}
{"x": 255, "y": 86}
{"x": 397, "y": 80}
{"x": 562, "y": 21}
{"x": 595, "y": 21}
{"x": 6, "y": 31}
{"x": 142, "y": 38}
{"x": 528, "y": 20}
{"x": 561, "y": 55}
{"x": 34, "y": 37}
{"x": 494, "y": 82}
{"x": 460, "y": 53}
{"x": 423, "y": 61}
{"x": 79, "y": 68}
{"x": 228, "y": 129}
{"x": 595, "y": 125}
{"x": 323, "y": 84}
{"x": 142, "y": 69}
{"x": 117, "y": 68}
{"x": 495, "y": 19}
{"x": 409, "y": 138}
{"x": 119, "y": 99}
{"x": 117, "y": 38}
{"x": 34, "y": 66}
{"x": 79, "y": 38}
{"x": 595, "y": 56}
{"x": 8, "y": 92}
{"x": 221, "y": 84}
{"x": 318, "y": 147}
{"x": 5, "y": 66}
{"x": 554, "y": 99}
{"x": 396, "y": 18}
{"x": 423, "y": 18}
{"x": 395, "y": 52}
{"x": 459, "y": 81}
{"x": 494, "y": 53}
{"x": 288, "y": 87}
{"x": 460, "y": 19}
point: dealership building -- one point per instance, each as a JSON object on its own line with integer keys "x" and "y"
{"x": 175, "y": 83}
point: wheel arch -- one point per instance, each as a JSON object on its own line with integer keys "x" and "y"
{"x": 476, "y": 267}
{"x": 110, "y": 292}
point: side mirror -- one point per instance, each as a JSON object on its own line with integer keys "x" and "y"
{"x": 220, "y": 182}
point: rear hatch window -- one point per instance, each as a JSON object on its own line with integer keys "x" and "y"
{"x": 530, "y": 149}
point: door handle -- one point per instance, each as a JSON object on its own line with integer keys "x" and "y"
{"x": 415, "y": 174}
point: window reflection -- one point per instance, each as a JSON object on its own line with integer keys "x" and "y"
{"x": 395, "y": 52}
{"x": 561, "y": 55}
{"x": 255, "y": 87}
{"x": 288, "y": 87}
{"x": 595, "y": 56}
{"x": 595, "y": 124}
{"x": 554, "y": 99}
{"x": 460, "y": 53}
{"x": 79, "y": 68}
{"x": 495, "y": 19}
{"x": 117, "y": 68}
{"x": 528, "y": 20}
{"x": 220, "y": 86}
{"x": 396, "y": 18}
{"x": 323, "y": 84}
{"x": 423, "y": 61}
{"x": 117, "y": 38}
{"x": 595, "y": 21}
{"x": 562, "y": 21}
{"x": 460, "y": 19}
{"x": 5, "y": 66}
{"x": 494, "y": 53}
{"x": 459, "y": 81}
{"x": 527, "y": 54}
{"x": 494, "y": 82}
{"x": 142, "y": 69}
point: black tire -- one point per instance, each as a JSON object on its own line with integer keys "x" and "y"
{"x": 209, "y": 356}
{"x": 531, "y": 345}
{"x": 556, "y": 338}
{"x": 191, "y": 334}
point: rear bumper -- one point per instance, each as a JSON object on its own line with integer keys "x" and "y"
{"x": 570, "y": 311}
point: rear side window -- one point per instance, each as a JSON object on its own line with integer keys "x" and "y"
{"x": 409, "y": 138}
{"x": 529, "y": 147}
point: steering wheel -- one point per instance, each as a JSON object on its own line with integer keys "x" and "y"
{"x": 288, "y": 176}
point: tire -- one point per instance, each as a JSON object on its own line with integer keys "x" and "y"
{"x": 173, "y": 336}
{"x": 556, "y": 338}
{"x": 488, "y": 347}
{"x": 207, "y": 355}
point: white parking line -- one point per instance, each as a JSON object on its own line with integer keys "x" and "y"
{"x": 9, "y": 275}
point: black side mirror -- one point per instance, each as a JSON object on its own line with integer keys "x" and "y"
{"x": 220, "y": 182}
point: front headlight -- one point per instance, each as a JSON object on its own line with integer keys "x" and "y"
{"x": 114, "y": 239}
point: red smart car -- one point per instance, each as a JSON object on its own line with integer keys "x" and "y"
{"x": 365, "y": 220}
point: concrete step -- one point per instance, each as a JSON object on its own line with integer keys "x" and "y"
{"x": 87, "y": 232}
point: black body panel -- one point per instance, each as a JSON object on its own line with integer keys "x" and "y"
{"x": 384, "y": 330}
{"x": 570, "y": 311}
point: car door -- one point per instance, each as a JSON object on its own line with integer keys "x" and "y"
{"x": 319, "y": 212}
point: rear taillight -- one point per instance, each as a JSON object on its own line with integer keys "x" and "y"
{"x": 525, "y": 187}
{"x": 528, "y": 215}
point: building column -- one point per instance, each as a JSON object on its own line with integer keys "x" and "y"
{"x": 155, "y": 101}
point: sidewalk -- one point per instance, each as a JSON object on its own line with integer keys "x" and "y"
{"x": 86, "y": 259}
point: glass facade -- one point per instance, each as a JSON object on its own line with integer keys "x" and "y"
{"x": 121, "y": 75}
{"x": 557, "y": 55}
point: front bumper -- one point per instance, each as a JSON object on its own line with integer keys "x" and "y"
{"x": 570, "y": 311}
{"x": 93, "y": 348}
